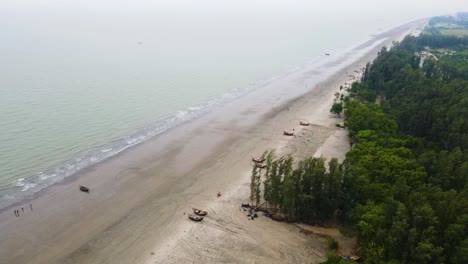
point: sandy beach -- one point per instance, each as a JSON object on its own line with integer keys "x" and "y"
{"x": 136, "y": 209}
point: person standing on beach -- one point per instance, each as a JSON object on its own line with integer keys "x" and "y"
{"x": 30, "y": 206}
{"x": 22, "y": 209}
{"x": 15, "y": 213}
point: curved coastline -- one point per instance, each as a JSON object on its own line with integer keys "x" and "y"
{"x": 148, "y": 186}
{"x": 30, "y": 187}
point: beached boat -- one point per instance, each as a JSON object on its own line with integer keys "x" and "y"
{"x": 258, "y": 160}
{"x": 195, "y": 218}
{"x": 84, "y": 189}
{"x": 288, "y": 133}
{"x": 304, "y": 123}
{"x": 199, "y": 212}
{"x": 260, "y": 165}
{"x": 328, "y": 54}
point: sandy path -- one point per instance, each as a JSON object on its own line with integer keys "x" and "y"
{"x": 137, "y": 201}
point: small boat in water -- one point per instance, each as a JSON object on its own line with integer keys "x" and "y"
{"x": 258, "y": 160}
{"x": 199, "y": 212}
{"x": 304, "y": 123}
{"x": 288, "y": 133}
{"x": 84, "y": 189}
{"x": 195, "y": 218}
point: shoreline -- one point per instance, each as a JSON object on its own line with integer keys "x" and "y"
{"x": 205, "y": 108}
{"x": 233, "y": 95}
{"x": 138, "y": 197}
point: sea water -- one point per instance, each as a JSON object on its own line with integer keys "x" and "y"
{"x": 80, "y": 85}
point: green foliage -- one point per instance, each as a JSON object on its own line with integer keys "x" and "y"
{"x": 253, "y": 183}
{"x": 336, "y": 108}
{"x": 333, "y": 258}
{"x": 332, "y": 243}
{"x": 347, "y": 232}
{"x": 407, "y": 194}
{"x": 403, "y": 184}
{"x": 307, "y": 192}
{"x": 372, "y": 253}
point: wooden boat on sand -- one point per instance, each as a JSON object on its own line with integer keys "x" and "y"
{"x": 260, "y": 165}
{"x": 288, "y": 133}
{"x": 84, "y": 189}
{"x": 304, "y": 123}
{"x": 258, "y": 160}
{"x": 199, "y": 212}
{"x": 195, "y": 218}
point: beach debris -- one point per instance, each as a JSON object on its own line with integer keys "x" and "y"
{"x": 219, "y": 194}
{"x": 350, "y": 258}
{"x": 199, "y": 212}
{"x": 195, "y": 218}
{"x": 84, "y": 189}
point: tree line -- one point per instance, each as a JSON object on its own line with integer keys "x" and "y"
{"x": 403, "y": 184}
{"x": 309, "y": 191}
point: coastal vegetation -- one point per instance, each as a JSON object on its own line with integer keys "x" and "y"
{"x": 403, "y": 185}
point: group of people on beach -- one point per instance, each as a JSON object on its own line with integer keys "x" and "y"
{"x": 17, "y": 211}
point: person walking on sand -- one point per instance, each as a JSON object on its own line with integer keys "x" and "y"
{"x": 30, "y": 206}
{"x": 22, "y": 209}
{"x": 15, "y": 213}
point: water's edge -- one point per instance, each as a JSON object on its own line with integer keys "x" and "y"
{"x": 28, "y": 188}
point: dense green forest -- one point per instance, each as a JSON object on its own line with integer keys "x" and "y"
{"x": 403, "y": 184}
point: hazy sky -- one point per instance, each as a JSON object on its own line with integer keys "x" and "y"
{"x": 438, "y": 6}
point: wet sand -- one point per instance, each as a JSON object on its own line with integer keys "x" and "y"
{"x": 134, "y": 212}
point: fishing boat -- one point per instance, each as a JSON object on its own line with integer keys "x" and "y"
{"x": 328, "y": 54}
{"x": 259, "y": 159}
{"x": 84, "y": 189}
{"x": 199, "y": 212}
{"x": 304, "y": 123}
{"x": 195, "y": 218}
{"x": 288, "y": 133}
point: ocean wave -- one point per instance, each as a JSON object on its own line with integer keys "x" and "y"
{"x": 43, "y": 179}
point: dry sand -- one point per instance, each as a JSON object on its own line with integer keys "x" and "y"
{"x": 135, "y": 210}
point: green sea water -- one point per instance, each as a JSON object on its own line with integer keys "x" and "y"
{"x": 79, "y": 85}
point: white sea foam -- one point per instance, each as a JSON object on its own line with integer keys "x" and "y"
{"x": 88, "y": 157}
{"x": 28, "y": 186}
{"x": 106, "y": 150}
